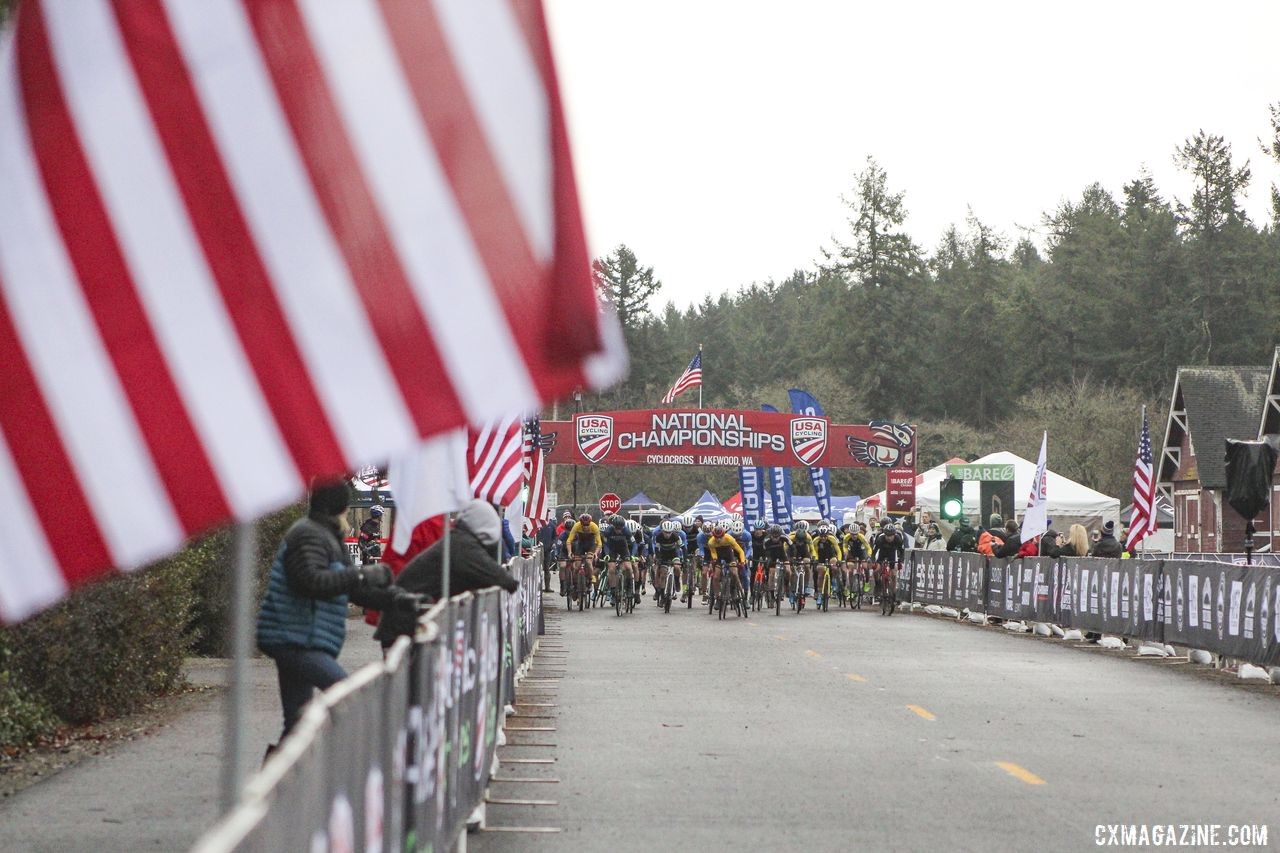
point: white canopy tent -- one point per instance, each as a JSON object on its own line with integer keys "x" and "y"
{"x": 1069, "y": 501}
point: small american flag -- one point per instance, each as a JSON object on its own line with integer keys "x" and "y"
{"x": 1143, "y": 521}
{"x": 691, "y": 378}
{"x": 535, "y": 472}
{"x": 495, "y": 461}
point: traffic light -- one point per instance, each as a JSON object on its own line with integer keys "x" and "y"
{"x": 951, "y": 499}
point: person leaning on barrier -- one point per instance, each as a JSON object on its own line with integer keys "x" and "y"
{"x": 302, "y": 623}
{"x": 473, "y": 565}
{"x": 963, "y": 538}
{"x": 1107, "y": 546}
{"x": 1012, "y": 541}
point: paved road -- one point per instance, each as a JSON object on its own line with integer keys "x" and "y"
{"x": 159, "y": 792}
{"x": 839, "y": 730}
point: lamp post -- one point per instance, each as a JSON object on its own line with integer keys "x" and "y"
{"x": 577, "y": 408}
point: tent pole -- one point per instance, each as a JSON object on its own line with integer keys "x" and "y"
{"x": 237, "y": 696}
{"x": 444, "y": 565}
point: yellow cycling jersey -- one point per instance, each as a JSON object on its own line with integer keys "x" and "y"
{"x": 589, "y": 534}
{"x": 727, "y": 544}
{"x": 805, "y": 547}
{"x": 833, "y": 543}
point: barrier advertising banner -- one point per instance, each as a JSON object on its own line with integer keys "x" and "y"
{"x": 1231, "y": 609}
{"x": 950, "y": 579}
{"x": 726, "y": 437}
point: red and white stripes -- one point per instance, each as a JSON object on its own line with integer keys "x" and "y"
{"x": 495, "y": 461}
{"x": 244, "y": 242}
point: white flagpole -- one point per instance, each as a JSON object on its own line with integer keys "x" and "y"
{"x": 703, "y": 368}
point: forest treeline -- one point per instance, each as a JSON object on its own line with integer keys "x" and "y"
{"x": 982, "y": 340}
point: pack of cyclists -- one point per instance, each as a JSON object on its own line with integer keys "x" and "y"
{"x": 728, "y": 566}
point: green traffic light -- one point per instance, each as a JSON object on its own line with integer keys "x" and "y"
{"x": 951, "y": 508}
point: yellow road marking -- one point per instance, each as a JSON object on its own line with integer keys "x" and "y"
{"x": 753, "y": 625}
{"x": 1022, "y": 774}
{"x": 853, "y": 676}
{"x": 921, "y": 712}
{"x": 779, "y": 637}
{"x": 811, "y": 653}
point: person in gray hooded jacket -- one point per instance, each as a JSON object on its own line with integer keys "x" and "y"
{"x": 473, "y": 565}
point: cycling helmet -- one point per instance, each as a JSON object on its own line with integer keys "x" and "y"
{"x": 736, "y": 516}
{"x": 616, "y": 522}
{"x": 718, "y": 530}
{"x": 737, "y": 526}
{"x": 775, "y": 530}
{"x": 670, "y": 526}
{"x": 801, "y": 526}
{"x": 377, "y": 512}
{"x": 686, "y": 520}
{"x": 758, "y": 524}
{"x": 632, "y": 525}
{"x": 585, "y": 518}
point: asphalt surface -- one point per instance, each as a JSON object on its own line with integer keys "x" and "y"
{"x": 159, "y": 792}
{"x": 840, "y": 730}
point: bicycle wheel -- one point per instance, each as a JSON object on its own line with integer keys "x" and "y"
{"x": 631, "y": 595}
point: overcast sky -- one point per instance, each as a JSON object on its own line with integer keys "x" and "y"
{"x": 715, "y": 138}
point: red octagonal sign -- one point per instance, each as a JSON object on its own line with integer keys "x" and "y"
{"x": 610, "y": 503}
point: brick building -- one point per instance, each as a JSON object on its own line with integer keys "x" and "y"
{"x": 1210, "y": 405}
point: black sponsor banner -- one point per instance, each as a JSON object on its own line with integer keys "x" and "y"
{"x": 1231, "y": 610}
{"x": 950, "y": 579}
{"x": 355, "y": 748}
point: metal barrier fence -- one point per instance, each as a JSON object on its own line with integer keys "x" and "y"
{"x": 1218, "y": 607}
{"x": 398, "y": 756}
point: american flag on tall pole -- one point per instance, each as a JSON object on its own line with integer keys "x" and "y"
{"x": 220, "y": 218}
{"x": 535, "y": 473}
{"x": 495, "y": 461}
{"x": 691, "y": 378}
{"x": 1143, "y": 522}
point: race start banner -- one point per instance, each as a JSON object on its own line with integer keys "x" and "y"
{"x": 726, "y": 437}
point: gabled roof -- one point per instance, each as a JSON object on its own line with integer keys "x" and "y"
{"x": 1271, "y": 405}
{"x": 1220, "y": 403}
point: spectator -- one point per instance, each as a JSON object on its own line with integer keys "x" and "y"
{"x": 1051, "y": 543}
{"x": 302, "y": 623}
{"x": 1077, "y": 544}
{"x": 547, "y": 539}
{"x": 473, "y": 565}
{"x": 932, "y": 539}
{"x": 1107, "y": 546}
{"x": 909, "y": 530}
{"x": 1012, "y": 541}
{"x": 992, "y": 537}
{"x": 370, "y": 537}
{"x": 508, "y": 540}
{"x": 963, "y": 538}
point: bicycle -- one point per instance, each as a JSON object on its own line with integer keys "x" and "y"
{"x": 802, "y": 585}
{"x": 822, "y": 588}
{"x": 730, "y": 592}
{"x": 780, "y": 574}
{"x": 580, "y": 582}
{"x": 758, "y": 588}
{"x": 689, "y": 574}
{"x": 668, "y": 589}
{"x": 889, "y": 592}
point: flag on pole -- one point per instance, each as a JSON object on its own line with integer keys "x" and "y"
{"x": 221, "y": 219}
{"x": 1036, "y": 519}
{"x": 691, "y": 378}
{"x": 427, "y": 482}
{"x": 1143, "y": 522}
{"x": 495, "y": 461}
{"x": 535, "y": 470}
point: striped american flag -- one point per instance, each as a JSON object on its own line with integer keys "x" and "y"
{"x": 495, "y": 461}
{"x": 691, "y": 378}
{"x": 1143, "y": 522}
{"x": 535, "y": 473}
{"x": 246, "y": 242}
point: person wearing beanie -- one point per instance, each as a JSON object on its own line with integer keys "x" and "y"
{"x": 302, "y": 623}
{"x": 1107, "y": 546}
{"x": 1012, "y": 541}
{"x": 473, "y": 565}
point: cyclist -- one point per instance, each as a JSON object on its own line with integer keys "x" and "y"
{"x": 563, "y": 556}
{"x": 703, "y": 554}
{"x": 722, "y": 546}
{"x": 776, "y": 551}
{"x": 739, "y": 532}
{"x": 667, "y": 550}
{"x": 888, "y": 553}
{"x": 370, "y": 536}
{"x": 856, "y": 552}
{"x": 639, "y": 551}
{"x": 583, "y": 543}
{"x": 830, "y": 554}
{"x": 619, "y": 548}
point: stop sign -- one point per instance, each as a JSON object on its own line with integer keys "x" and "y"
{"x": 610, "y": 503}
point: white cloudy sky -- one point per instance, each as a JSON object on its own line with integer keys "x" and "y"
{"x": 715, "y": 137}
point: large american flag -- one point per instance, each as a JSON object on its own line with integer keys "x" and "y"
{"x": 246, "y": 242}
{"x": 1143, "y": 522}
{"x": 495, "y": 461}
{"x": 535, "y": 473}
{"x": 691, "y": 378}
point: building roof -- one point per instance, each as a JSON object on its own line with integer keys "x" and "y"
{"x": 1221, "y": 403}
{"x": 1271, "y": 405}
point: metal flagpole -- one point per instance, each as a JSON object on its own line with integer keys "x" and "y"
{"x": 444, "y": 566}
{"x": 703, "y": 368}
{"x": 237, "y": 696}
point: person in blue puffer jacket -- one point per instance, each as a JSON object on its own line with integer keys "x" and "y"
{"x": 303, "y": 619}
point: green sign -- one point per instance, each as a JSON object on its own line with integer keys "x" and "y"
{"x": 983, "y": 473}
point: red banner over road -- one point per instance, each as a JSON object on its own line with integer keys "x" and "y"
{"x": 726, "y": 437}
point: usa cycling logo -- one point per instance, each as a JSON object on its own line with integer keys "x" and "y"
{"x": 808, "y": 439}
{"x": 595, "y": 435}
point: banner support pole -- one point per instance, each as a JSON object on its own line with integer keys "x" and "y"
{"x": 237, "y": 695}
{"x": 704, "y": 373}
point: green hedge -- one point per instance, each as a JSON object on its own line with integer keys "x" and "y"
{"x": 117, "y": 643}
